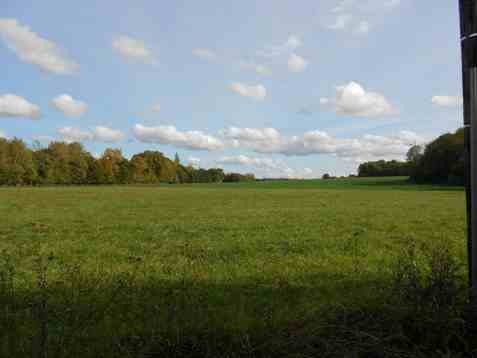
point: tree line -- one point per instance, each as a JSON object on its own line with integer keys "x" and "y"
{"x": 70, "y": 164}
{"x": 439, "y": 162}
{"x": 383, "y": 168}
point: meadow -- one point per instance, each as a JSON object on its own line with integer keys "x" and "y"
{"x": 269, "y": 269}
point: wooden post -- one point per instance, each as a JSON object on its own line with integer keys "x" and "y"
{"x": 468, "y": 28}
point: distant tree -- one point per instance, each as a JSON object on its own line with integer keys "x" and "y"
{"x": 414, "y": 154}
{"x": 44, "y": 166}
{"x": 215, "y": 175}
{"x": 443, "y": 160}
{"x": 326, "y": 176}
{"x": 16, "y": 163}
{"x": 177, "y": 160}
{"x": 78, "y": 163}
{"x": 95, "y": 172}
{"x": 236, "y": 177}
{"x": 382, "y": 168}
{"x": 184, "y": 174}
{"x": 111, "y": 163}
{"x": 440, "y": 162}
{"x": 69, "y": 163}
{"x": 138, "y": 169}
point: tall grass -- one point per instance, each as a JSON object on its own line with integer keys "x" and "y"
{"x": 417, "y": 311}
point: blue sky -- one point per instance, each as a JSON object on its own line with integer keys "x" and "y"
{"x": 278, "y": 88}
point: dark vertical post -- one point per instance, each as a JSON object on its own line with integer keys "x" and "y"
{"x": 468, "y": 28}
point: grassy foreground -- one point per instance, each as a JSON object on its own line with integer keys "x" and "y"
{"x": 315, "y": 268}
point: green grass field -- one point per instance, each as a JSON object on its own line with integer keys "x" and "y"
{"x": 209, "y": 270}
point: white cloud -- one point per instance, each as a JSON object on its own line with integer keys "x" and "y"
{"x": 3, "y": 134}
{"x": 362, "y": 28}
{"x": 71, "y": 134}
{"x": 353, "y": 100}
{"x": 204, "y": 54}
{"x": 15, "y": 106}
{"x": 108, "y": 135}
{"x": 447, "y": 101}
{"x": 269, "y": 140}
{"x": 297, "y": 63}
{"x": 291, "y": 44}
{"x": 257, "y": 92}
{"x": 133, "y": 49}
{"x": 263, "y": 167}
{"x": 69, "y": 106}
{"x": 33, "y": 49}
{"x": 260, "y": 69}
{"x": 195, "y": 140}
{"x": 266, "y": 167}
{"x": 262, "y": 163}
{"x": 342, "y": 22}
{"x": 99, "y": 133}
{"x": 261, "y": 139}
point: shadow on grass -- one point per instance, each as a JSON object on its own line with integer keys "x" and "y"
{"x": 415, "y": 311}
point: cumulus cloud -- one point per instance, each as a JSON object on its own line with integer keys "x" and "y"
{"x": 353, "y": 100}
{"x": 263, "y": 163}
{"x": 71, "y": 134}
{"x": 33, "y": 49}
{"x": 257, "y": 92}
{"x": 99, "y": 134}
{"x": 204, "y": 54}
{"x": 133, "y": 49}
{"x": 266, "y": 167}
{"x": 195, "y": 140}
{"x": 291, "y": 44}
{"x": 15, "y": 106}
{"x": 297, "y": 63}
{"x": 260, "y": 69}
{"x": 447, "y": 101}
{"x": 3, "y": 134}
{"x": 260, "y": 139}
{"x": 108, "y": 135}
{"x": 69, "y": 106}
{"x": 269, "y": 140}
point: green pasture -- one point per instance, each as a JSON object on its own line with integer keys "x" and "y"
{"x": 131, "y": 270}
